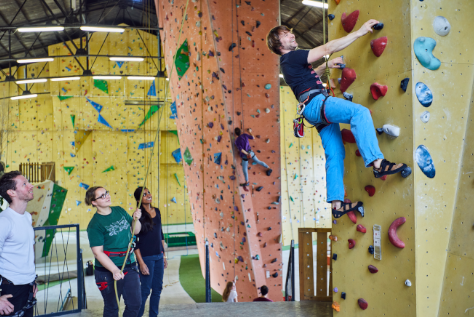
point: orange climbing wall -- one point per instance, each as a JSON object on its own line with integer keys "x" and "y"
{"x": 225, "y": 90}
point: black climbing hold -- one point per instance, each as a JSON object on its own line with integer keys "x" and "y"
{"x": 231, "y": 47}
{"x": 269, "y": 228}
{"x": 259, "y": 188}
{"x": 342, "y": 66}
{"x": 279, "y": 198}
{"x": 348, "y": 96}
{"x": 275, "y": 274}
{"x": 343, "y": 295}
{"x": 274, "y": 260}
{"x": 378, "y": 26}
{"x": 258, "y": 23}
{"x": 247, "y": 2}
{"x": 222, "y": 70}
{"x": 239, "y": 113}
{"x": 229, "y": 122}
{"x": 243, "y": 22}
{"x": 404, "y": 84}
{"x": 249, "y": 34}
{"x": 334, "y": 256}
{"x": 371, "y": 249}
{"x": 212, "y": 245}
{"x": 218, "y": 53}
{"x": 406, "y": 172}
{"x": 331, "y": 16}
{"x": 379, "y": 130}
{"x": 215, "y": 235}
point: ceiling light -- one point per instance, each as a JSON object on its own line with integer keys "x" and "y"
{"x": 141, "y": 77}
{"x": 24, "y": 96}
{"x": 34, "y": 60}
{"x": 127, "y": 59}
{"x": 65, "y": 78}
{"x": 281, "y": 75}
{"x": 107, "y": 77}
{"x": 101, "y": 29}
{"x": 30, "y": 81}
{"x": 41, "y": 29}
{"x": 318, "y": 4}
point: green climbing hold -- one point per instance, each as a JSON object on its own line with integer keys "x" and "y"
{"x": 291, "y": 198}
{"x": 73, "y": 119}
{"x": 112, "y": 168}
{"x": 291, "y": 144}
{"x": 151, "y": 112}
{"x": 176, "y": 175}
{"x": 68, "y": 169}
{"x": 102, "y": 85}
{"x": 296, "y": 176}
{"x": 61, "y": 98}
{"x": 187, "y": 156}
{"x": 268, "y": 86}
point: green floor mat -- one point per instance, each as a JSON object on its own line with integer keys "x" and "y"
{"x": 191, "y": 279}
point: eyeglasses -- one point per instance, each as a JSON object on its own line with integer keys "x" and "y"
{"x": 102, "y": 196}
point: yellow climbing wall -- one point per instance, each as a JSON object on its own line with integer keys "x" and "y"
{"x": 384, "y": 291}
{"x": 41, "y": 129}
{"x": 303, "y": 175}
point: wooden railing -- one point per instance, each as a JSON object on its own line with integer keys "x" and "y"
{"x": 38, "y": 172}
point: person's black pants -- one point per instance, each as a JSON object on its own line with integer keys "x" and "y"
{"x": 20, "y": 295}
{"x": 129, "y": 287}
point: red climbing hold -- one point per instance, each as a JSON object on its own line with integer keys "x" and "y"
{"x": 370, "y": 189}
{"x": 392, "y": 232}
{"x": 378, "y": 90}
{"x": 352, "y": 216}
{"x": 373, "y": 269}
{"x": 384, "y": 177}
{"x": 352, "y": 243}
{"x": 378, "y": 45}
{"x": 361, "y": 228}
{"x": 349, "y": 21}
{"x": 358, "y": 153}
{"x": 363, "y": 303}
{"x": 347, "y": 136}
{"x": 347, "y": 78}
{"x": 337, "y": 1}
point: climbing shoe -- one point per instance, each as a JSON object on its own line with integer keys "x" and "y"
{"x": 346, "y": 207}
{"x": 269, "y": 172}
{"x": 245, "y": 186}
{"x": 389, "y": 168}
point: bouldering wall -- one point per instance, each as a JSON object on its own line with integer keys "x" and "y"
{"x": 98, "y": 132}
{"x": 385, "y": 291}
{"x": 224, "y": 77}
{"x": 303, "y": 175}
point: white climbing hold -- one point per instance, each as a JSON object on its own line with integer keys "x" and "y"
{"x": 302, "y": 147}
{"x": 267, "y": 110}
{"x": 391, "y": 130}
{"x": 441, "y": 26}
{"x": 268, "y": 141}
{"x": 408, "y": 283}
{"x": 425, "y": 116}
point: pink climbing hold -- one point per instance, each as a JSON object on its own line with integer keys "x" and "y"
{"x": 347, "y": 78}
{"x": 361, "y": 228}
{"x": 373, "y": 269}
{"x": 362, "y": 303}
{"x": 358, "y": 153}
{"x": 349, "y": 21}
{"x": 370, "y": 189}
{"x": 352, "y": 216}
{"x": 378, "y": 90}
{"x": 352, "y": 243}
{"x": 392, "y": 232}
{"x": 384, "y": 177}
{"x": 347, "y": 136}
{"x": 378, "y": 45}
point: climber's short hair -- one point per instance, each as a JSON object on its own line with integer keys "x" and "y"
{"x": 273, "y": 38}
{"x": 264, "y": 290}
{"x": 237, "y": 132}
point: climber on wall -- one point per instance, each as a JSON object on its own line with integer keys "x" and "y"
{"x": 325, "y": 112}
{"x": 246, "y": 153}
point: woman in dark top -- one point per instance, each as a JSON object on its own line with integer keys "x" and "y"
{"x": 150, "y": 253}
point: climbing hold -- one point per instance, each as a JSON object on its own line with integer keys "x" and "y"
{"x": 371, "y": 249}
{"x": 408, "y": 283}
{"x": 349, "y": 21}
{"x": 358, "y": 153}
{"x": 274, "y": 260}
{"x": 210, "y": 125}
{"x": 78, "y": 202}
{"x": 268, "y": 86}
{"x": 392, "y": 232}
{"x": 347, "y": 78}
{"x": 260, "y": 234}
{"x": 373, "y": 269}
{"x": 378, "y": 45}
{"x": 391, "y": 130}
{"x": 425, "y": 116}
{"x": 336, "y": 290}
{"x": 347, "y": 136}
{"x": 231, "y": 47}
{"x": 68, "y": 169}
{"x": 111, "y": 168}
{"x": 362, "y": 303}
{"x": 83, "y": 185}
{"x": 441, "y": 26}
{"x": 361, "y": 228}
{"x": 343, "y": 295}
{"x": 352, "y": 216}
{"x": 331, "y": 16}
{"x": 334, "y": 256}
{"x": 378, "y": 90}
{"x": 174, "y": 200}
{"x": 348, "y": 96}
{"x": 424, "y": 94}
{"x": 259, "y": 188}
{"x": 423, "y": 48}
{"x": 352, "y": 243}
{"x": 378, "y": 26}
{"x": 404, "y": 84}
{"x": 258, "y": 24}
{"x": 335, "y": 305}
{"x": 275, "y": 274}
{"x": 337, "y": 1}
{"x": 425, "y": 161}
{"x": 217, "y": 158}
{"x": 333, "y": 238}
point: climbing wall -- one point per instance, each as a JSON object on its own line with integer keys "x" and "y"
{"x": 303, "y": 175}
{"x": 385, "y": 291}
{"x": 224, "y": 77}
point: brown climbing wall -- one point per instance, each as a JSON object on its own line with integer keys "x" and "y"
{"x": 221, "y": 90}
{"x": 384, "y": 291}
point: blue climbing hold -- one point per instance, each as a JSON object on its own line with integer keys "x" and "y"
{"x": 423, "y": 47}
{"x": 174, "y": 200}
{"x": 425, "y": 161}
{"x": 404, "y": 84}
{"x": 78, "y": 202}
{"x": 424, "y": 94}
{"x": 268, "y": 86}
{"x": 331, "y": 16}
{"x": 217, "y": 158}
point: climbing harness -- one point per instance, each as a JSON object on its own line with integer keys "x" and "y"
{"x": 31, "y": 296}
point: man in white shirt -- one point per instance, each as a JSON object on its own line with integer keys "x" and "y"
{"x": 17, "y": 259}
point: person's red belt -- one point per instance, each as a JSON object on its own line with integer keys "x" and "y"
{"x": 111, "y": 254}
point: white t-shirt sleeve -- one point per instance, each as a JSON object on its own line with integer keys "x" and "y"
{"x": 5, "y": 228}
{"x": 232, "y": 297}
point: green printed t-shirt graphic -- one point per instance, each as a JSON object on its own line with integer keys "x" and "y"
{"x": 113, "y": 232}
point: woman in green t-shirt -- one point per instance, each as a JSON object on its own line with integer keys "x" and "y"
{"x": 109, "y": 232}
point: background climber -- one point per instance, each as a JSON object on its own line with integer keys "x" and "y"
{"x": 246, "y": 153}
{"x": 325, "y": 112}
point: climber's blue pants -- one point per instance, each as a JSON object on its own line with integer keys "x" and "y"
{"x": 342, "y": 111}
{"x": 245, "y": 165}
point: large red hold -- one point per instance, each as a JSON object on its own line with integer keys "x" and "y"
{"x": 347, "y": 136}
{"x": 363, "y": 303}
{"x": 361, "y": 228}
{"x": 378, "y": 90}
{"x": 373, "y": 269}
{"x": 347, "y": 78}
{"x": 352, "y": 243}
{"x": 378, "y": 45}
{"x": 370, "y": 189}
{"x": 392, "y": 232}
{"x": 349, "y": 21}
{"x": 352, "y": 216}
